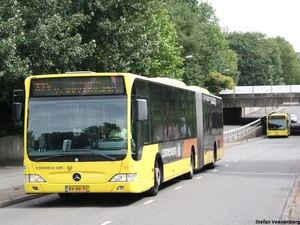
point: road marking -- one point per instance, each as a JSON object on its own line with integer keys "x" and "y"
{"x": 215, "y": 171}
{"x": 199, "y": 177}
{"x": 146, "y": 203}
{"x": 226, "y": 165}
{"x": 107, "y": 222}
{"x": 178, "y": 187}
{"x": 273, "y": 174}
{"x": 236, "y": 160}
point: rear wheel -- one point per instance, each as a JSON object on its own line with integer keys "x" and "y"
{"x": 157, "y": 179}
{"x": 213, "y": 164}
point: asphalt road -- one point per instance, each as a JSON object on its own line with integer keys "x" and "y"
{"x": 252, "y": 183}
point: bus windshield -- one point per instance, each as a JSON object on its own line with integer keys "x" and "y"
{"x": 277, "y": 124}
{"x": 91, "y": 128}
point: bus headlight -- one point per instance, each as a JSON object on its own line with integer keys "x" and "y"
{"x": 33, "y": 178}
{"x": 128, "y": 177}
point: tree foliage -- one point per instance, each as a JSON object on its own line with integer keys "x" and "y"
{"x": 258, "y": 58}
{"x": 135, "y": 37}
{"x": 290, "y": 62}
{"x": 215, "y": 82}
{"x": 200, "y": 35}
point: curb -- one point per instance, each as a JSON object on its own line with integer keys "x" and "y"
{"x": 19, "y": 199}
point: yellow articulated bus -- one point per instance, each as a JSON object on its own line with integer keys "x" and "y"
{"x": 278, "y": 125}
{"x": 90, "y": 132}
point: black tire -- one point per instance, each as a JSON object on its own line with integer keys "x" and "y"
{"x": 190, "y": 174}
{"x": 157, "y": 180}
{"x": 213, "y": 164}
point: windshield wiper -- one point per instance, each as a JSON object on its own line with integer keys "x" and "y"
{"x": 50, "y": 157}
{"x": 103, "y": 155}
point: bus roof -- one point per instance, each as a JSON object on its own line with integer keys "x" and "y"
{"x": 167, "y": 80}
{"x": 199, "y": 89}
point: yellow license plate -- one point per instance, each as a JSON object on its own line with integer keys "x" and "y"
{"x": 78, "y": 189}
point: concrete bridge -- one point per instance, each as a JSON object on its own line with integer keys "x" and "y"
{"x": 261, "y": 96}
{"x": 237, "y": 101}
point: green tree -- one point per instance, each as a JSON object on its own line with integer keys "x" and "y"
{"x": 215, "y": 82}
{"x": 200, "y": 35}
{"x": 53, "y": 42}
{"x": 13, "y": 67}
{"x": 290, "y": 62}
{"x": 258, "y": 58}
{"x": 135, "y": 37}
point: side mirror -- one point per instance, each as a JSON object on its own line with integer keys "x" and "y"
{"x": 17, "y": 108}
{"x": 141, "y": 110}
{"x": 16, "y": 113}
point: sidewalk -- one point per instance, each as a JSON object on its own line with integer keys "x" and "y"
{"x": 12, "y": 184}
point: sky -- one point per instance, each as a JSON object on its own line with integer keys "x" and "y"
{"x": 270, "y": 17}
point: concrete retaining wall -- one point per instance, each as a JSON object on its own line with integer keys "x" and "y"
{"x": 248, "y": 110}
{"x": 11, "y": 148}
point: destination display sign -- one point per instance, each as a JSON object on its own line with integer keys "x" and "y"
{"x": 74, "y": 86}
{"x": 276, "y": 117}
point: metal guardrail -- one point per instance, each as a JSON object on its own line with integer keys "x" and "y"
{"x": 241, "y": 132}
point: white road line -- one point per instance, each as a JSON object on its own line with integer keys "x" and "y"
{"x": 146, "y": 203}
{"x": 178, "y": 187}
{"x": 226, "y": 165}
{"x": 215, "y": 171}
{"x": 107, "y": 222}
{"x": 274, "y": 174}
{"x": 199, "y": 177}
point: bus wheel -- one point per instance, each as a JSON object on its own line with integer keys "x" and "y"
{"x": 213, "y": 164}
{"x": 190, "y": 174}
{"x": 157, "y": 179}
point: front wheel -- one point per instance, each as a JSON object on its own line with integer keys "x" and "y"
{"x": 157, "y": 179}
